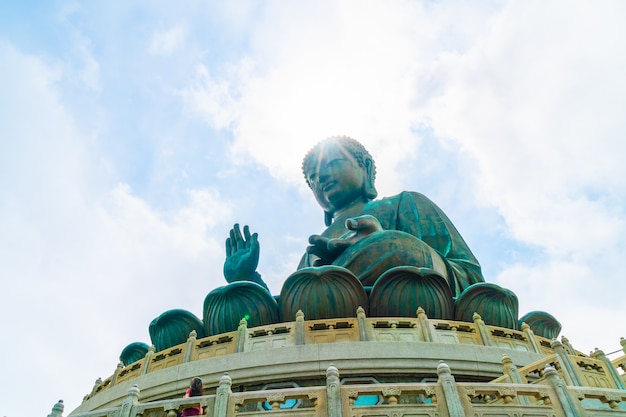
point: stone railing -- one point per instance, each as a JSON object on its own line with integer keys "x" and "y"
{"x": 596, "y": 371}
{"x": 443, "y": 398}
{"x": 302, "y": 332}
{"x": 620, "y": 363}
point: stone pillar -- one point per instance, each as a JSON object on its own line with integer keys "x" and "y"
{"x": 130, "y": 402}
{"x": 95, "y": 386}
{"x": 333, "y": 392}
{"x": 147, "y": 360}
{"x": 483, "y": 330}
{"x": 57, "y": 410}
{"x": 598, "y": 354}
{"x": 428, "y": 332}
{"x": 622, "y": 341}
{"x": 189, "y": 347}
{"x": 530, "y": 335}
{"x": 568, "y": 404}
{"x": 450, "y": 391}
{"x": 511, "y": 371}
{"x": 567, "y": 366}
{"x": 567, "y": 345}
{"x": 222, "y": 395}
{"x": 364, "y": 329}
{"x": 299, "y": 331}
{"x": 242, "y": 335}
{"x": 118, "y": 369}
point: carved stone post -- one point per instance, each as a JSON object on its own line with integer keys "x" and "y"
{"x": 450, "y": 391}
{"x": 147, "y": 360}
{"x": 242, "y": 335}
{"x": 567, "y": 345}
{"x": 428, "y": 332}
{"x": 95, "y": 386}
{"x": 511, "y": 371}
{"x": 118, "y": 369}
{"x": 598, "y": 354}
{"x": 130, "y": 402}
{"x": 333, "y": 392}
{"x": 222, "y": 395}
{"x": 189, "y": 347}
{"x": 567, "y": 366}
{"x": 364, "y": 329}
{"x": 299, "y": 328}
{"x": 57, "y": 410}
{"x": 530, "y": 335}
{"x": 568, "y": 403}
{"x": 483, "y": 331}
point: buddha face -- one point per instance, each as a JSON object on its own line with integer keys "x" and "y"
{"x": 335, "y": 178}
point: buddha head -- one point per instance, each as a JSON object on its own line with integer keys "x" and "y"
{"x": 339, "y": 171}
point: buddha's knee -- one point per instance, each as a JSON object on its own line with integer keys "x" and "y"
{"x": 369, "y": 258}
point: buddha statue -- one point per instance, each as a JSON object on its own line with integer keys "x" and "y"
{"x": 394, "y": 241}
{"x": 389, "y": 256}
{"x": 341, "y": 174}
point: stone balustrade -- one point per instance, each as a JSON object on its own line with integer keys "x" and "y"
{"x": 303, "y": 332}
{"x": 444, "y": 398}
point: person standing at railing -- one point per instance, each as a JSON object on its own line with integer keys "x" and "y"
{"x": 194, "y": 390}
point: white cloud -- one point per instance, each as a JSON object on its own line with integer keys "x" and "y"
{"x": 312, "y": 80}
{"x": 79, "y": 254}
{"x": 167, "y": 41}
{"x": 81, "y": 64}
{"x": 537, "y": 102}
{"x": 215, "y": 100}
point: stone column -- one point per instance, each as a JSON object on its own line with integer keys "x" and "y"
{"x": 483, "y": 330}
{"x": 568, "y": 404}
{"x": 333, "y": 392}
{"x": 530, "y": 335}
{"x": 222, "y": 395}
{"x": 568, "y": 367}
{"x": 450, "y": 391}
{"x": 299, "y": 331}
{"x": 364, "y": 329}
{"x": 189, "y": 347}
{"x": 130, "y": 402}
{"x": 147, "y": 360}
{"x": 598, "y": 354}
{"x": 568, "y": 345}
{"x": 427, "y": 330}
{"x": 57, "y": 410}
{"x": 511, "y": 371}
{"x": 95, "y": 386}
{"x": 118, "y": 369}
{"x": 242, "y": 335}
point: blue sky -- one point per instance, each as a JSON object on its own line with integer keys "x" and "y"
{"x": 132, "y": 137}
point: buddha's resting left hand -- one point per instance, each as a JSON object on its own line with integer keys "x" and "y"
{"x": 329, "y": 249}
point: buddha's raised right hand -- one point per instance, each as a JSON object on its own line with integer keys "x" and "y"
{"x": 242, "y": 255}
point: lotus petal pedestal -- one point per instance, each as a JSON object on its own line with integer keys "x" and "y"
{"x": 322, "y": 293}
{"x": 401, "y": 290}
{"x": 224, "y": 307}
